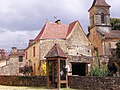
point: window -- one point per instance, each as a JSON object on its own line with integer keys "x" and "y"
{"x": 33, "y": 51}
{"x": 93, "y": 20}
{"x": 102, "y": 18}
{"x": 26, "y": 55}
{"x": 20, "y": 58}
{"x": 20, "y": 69}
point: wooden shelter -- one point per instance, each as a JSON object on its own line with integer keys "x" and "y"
{"x": 55, "y": 65}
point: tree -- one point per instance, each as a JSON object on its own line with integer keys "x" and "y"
{"x": 43, "y": 69}
{"x": 114, "y": 61}
{"x": 27, "y": 70}
{"x": 118, "y": 50}
{"x": 115, "y": 22}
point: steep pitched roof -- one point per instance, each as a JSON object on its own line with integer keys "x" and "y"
{"x": 17, "y": 52}
{"x": 53, "y": 30}
{"x": 115, "y": 34}
{"x": 100, "y": 3}
{"x": 71, "y": 26}
{"x": 3, "y": 55}
{"x": 112, "y": 34}
{"x": 56, "y": 51}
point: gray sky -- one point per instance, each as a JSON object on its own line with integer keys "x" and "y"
{"x": 21, "y": 20}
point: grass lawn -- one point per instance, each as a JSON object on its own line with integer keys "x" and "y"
{"x": 28, "y": 88}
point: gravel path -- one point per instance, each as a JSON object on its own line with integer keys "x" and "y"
{"x": 26, "y": 88}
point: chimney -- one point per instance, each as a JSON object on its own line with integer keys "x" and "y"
{"x": 31, "y": 41}
{"x": 13, "y": 48}
{"x": 58, "y": 21}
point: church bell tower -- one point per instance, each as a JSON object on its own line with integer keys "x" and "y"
{"x": 99, "y": 15}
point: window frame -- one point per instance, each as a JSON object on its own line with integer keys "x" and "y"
{"x": 20, "y": 59}
{"x": 34, "y": 51}
{"x": 102, "y": 18}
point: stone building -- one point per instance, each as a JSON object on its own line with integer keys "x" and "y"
{"x": 15, "y": 63}
{"x": 70, "y": 37}
{"x": 3, "y": 57}
{"x": 17, "y": 57}
{"x": 103, "y": 39}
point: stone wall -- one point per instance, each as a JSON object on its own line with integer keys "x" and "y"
{"x": 9, "y": 69}
{"x": 77, "y": 42}
{"x": 94, "y": 83}
{"x": 76, "y": 82}
{"x": 23, "y": 80}
{"x": 12, "y": 66}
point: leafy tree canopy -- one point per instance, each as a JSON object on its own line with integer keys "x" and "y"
{"x": 115, "y": 22}
{"x": 118, "y": 49}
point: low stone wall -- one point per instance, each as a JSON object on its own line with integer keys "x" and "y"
{"x": 94, "y": 83}
{"x": 23, "y": 80}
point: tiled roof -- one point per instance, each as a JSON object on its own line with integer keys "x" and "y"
{"x": 56, "y": 51}
{"x": 16, "y": 52}
{"x": 99, "y": 3}
{"x": 71, "y": 26}
{"x": 31, "y": 41}
{"x": 113, "y": 34}
{"x": 3, "y": 55}
{"x": 53, "y": 30}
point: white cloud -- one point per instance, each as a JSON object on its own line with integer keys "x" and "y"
{"x": 16, "y": 38}
{"x": 19, "y": 19}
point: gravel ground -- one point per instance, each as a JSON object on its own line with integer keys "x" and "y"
{"x": 27, "y": 88}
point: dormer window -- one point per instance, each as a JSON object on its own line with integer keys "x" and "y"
{"x": 102, "y": 18}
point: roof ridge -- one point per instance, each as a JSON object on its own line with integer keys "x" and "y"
{"x": 99, "y": 3}
{"x": 56, "y": 51}
{"x": 71, "y": 26}
{"x": 40, "y": 33}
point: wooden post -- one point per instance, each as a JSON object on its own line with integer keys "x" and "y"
{"x": 86, "y": 67}
{"x": 53, "y": 66}
{"x": 47, "y": 69}
{"x": 58, "y": 78}
{"x": 67, "y": 79}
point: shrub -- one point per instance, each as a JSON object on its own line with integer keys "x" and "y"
{"x": 27, "y": 70}
{"x": 43, "y": 70}
{"x": 102, "y": 71}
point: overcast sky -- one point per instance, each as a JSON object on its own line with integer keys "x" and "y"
{"x": 21, "y": 20}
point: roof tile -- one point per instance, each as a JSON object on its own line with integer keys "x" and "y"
{"x": 56, "y": 51}
{"x": 3, "y": 55}
{"x": 100, "y": 3}
{"x": 53, "y": 30}
{"x": 113, "y": 34}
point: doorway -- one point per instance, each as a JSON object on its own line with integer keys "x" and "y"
{"x": 79, "y": 68}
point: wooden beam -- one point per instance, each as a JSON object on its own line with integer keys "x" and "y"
{"x": 53, "y": 66}
{"x": 47, "y": 74}
{"x": 58, "y": 78}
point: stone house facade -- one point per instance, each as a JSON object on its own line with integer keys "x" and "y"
{"x": 3, "y": 57}
{"x": 17, "y": 58}
{"x": 70, "y": 37}
{"x": 15, "y": 63}
{"x": 103, "y": 39}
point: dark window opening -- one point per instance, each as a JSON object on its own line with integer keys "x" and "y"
{"x": 26, "y": 55}
{"x": 102, "y": 18}
{"x": 93, "y": 20}
{"x": 79, "y": 69}
{"x": 62, "y": 69}
{"x": 33, "y": 51}
{"x": 20, "y": 69}
{"x": 20, "y": 58}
